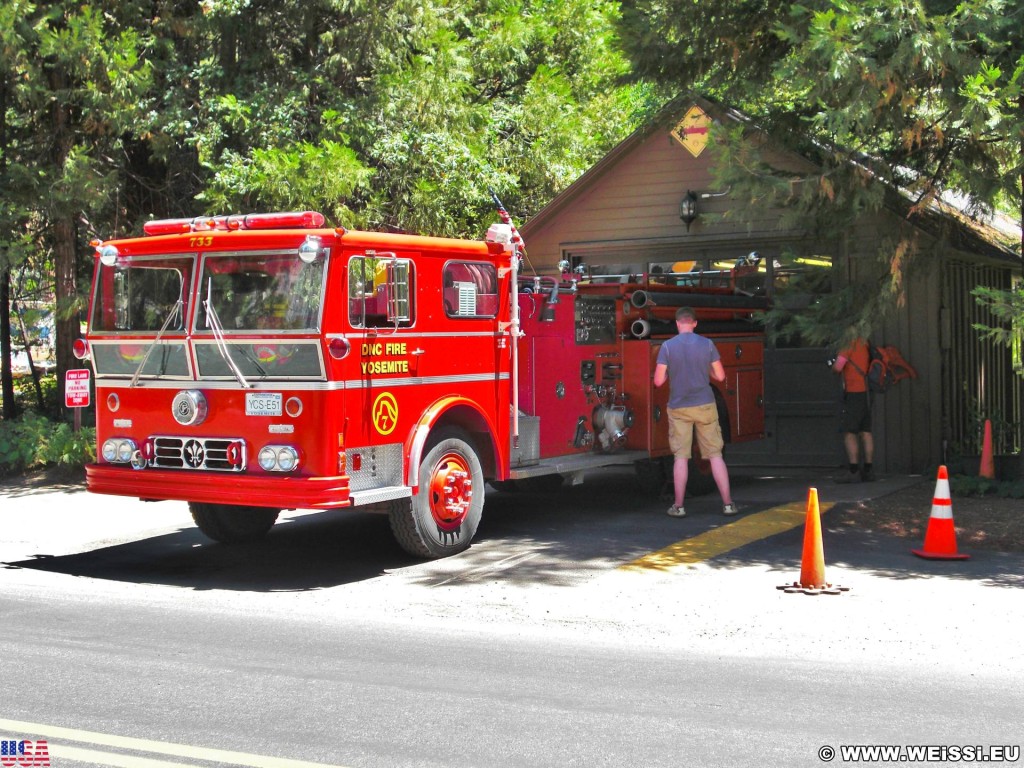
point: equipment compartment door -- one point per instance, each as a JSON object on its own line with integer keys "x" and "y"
{"x": 748, "y": 406}
{"x": 649, "y": 403}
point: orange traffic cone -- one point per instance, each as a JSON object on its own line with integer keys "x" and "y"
{"x": 987, "y": 467}
{"x": 940, "y": 538}
{"x": 812, "y": 567}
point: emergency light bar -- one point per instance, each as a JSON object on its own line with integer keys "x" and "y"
{"x": 292, "y": 219}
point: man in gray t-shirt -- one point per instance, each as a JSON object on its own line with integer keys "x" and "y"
{"x": 688, "y": 361}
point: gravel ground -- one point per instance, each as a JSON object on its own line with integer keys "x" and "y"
{"x": 981, "y": 522}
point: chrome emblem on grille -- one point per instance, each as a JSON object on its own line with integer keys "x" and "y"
{"x": 189, "y": 407}
{"x": 193, "y": 454}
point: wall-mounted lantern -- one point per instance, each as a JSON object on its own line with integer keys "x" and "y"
{"x": 688, "y": 208}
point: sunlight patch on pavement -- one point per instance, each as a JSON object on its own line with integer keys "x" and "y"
{"x": 726, "y": 538}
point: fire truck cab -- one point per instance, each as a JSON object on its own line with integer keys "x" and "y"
{"x": 250, "y": 364}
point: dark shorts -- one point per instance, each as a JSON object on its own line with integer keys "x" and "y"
{"x": 856, "y": 414}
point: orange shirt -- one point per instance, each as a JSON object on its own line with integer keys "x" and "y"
{"x": 856, "y": 353}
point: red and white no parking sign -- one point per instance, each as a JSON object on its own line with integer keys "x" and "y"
{"x": 76, "y": 388}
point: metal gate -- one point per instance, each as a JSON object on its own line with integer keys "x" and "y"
{"x": 978, "y": 377}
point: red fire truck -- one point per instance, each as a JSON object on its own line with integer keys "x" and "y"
{"x": 249, "y": 364}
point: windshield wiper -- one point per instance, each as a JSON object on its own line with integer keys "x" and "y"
{"x": 149, "y": 350}
{"x": 218, "y": 334}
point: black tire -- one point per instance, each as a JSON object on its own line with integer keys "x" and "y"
{"x": 699, "y": 480}
{"x": 537, "y": 484}
{"x": 541, "y": 483}
{"x": 505, "y": 486}
{"x": 428, "y": 526}
{"x": 231, "y": 524}
{"x": 654, "y": 476}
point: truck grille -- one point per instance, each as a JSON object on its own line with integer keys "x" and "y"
{"x": 198, "y": 453}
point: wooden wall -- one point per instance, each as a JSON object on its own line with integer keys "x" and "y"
{"x": 625, "y": 210}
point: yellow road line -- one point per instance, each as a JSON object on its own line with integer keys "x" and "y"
{"x": 54, "y": 732}
{"x": 720, "y": 540}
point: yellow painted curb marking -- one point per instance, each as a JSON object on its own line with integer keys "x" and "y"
{"x": 726, "y": 538}
{"x": 50, "y": 732}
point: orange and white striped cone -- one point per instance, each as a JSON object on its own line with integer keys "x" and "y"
{"x": 940, "y": 538}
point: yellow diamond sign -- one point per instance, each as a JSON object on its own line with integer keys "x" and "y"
{"x": 692, "y": 130}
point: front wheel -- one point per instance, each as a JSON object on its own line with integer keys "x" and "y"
{"x": 442, "y": 518}
{"x": 231, "y": 524}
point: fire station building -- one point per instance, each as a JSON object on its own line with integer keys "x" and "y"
{"x": 650, "y": 205}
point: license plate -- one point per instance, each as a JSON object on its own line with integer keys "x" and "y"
{"x": 262, "y": 403}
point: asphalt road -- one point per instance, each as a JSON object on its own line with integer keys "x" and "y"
{"x": 557, "y": 639}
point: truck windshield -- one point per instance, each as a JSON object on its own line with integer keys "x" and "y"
{"x": 265, "y": 292}
{"x": 136, "y": 295}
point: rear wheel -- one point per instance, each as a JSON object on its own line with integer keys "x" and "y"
{"x": 654, "y": 476}
{"x": 231, "y": 524}
{"x": 699, "y": 480}
{"x": 442, "y": 518}
{"x": 536, "y": 484}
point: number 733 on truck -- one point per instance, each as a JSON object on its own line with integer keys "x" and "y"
{"x": 249, "y": 364}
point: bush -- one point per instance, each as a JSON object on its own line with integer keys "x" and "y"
{"x": 968, "y": 485}
{"x": 26, "y": 398}
{"x": 33, "y": 442}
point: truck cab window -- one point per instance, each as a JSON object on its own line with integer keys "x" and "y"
{"x": 380, "y": 291}
{"x": 470, "y": 289}
{"x": 137, "y": 295}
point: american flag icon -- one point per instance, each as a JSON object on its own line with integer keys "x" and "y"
{"x": 22, "y": 753}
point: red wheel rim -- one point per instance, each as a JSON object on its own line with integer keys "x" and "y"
{"x": 451, "y": 491}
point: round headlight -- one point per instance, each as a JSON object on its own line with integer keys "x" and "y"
{"x": 268, "y": 459}
{"x": 125, "y": 449}
{"x": 109, "y": 450}
{"x": 287, "y": 458}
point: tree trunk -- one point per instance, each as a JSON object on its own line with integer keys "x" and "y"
{"x": 10, "y": 411}
{"x": 66, "y": 316}
{"x": 66, "y": 328}
{"x": 6, "y": 376}
{"x": 1020, "y": 287}
{"x": 1020, "y": 383}
{"x": 28, "y": 357}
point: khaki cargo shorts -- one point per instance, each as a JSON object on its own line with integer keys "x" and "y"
{"x": 703, "y": 418}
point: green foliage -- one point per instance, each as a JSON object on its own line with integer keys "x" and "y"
{"x": 966, "y": 485}
{"x": 289, "y": 178}
{"x": 34, "y": 441}
{"x": 25, "y": 395}
{"x": 1007, "y": 307}
{"x": 395, "y": 115}
{"x": 1003, "y": 430}
{"x": 897, "y": 102}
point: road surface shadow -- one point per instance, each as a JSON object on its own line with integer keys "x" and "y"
{"x": 303, "y": 553}
{"x": 560, "y": 537}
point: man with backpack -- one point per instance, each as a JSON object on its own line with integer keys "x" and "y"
{"x": 855, "y": 419}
